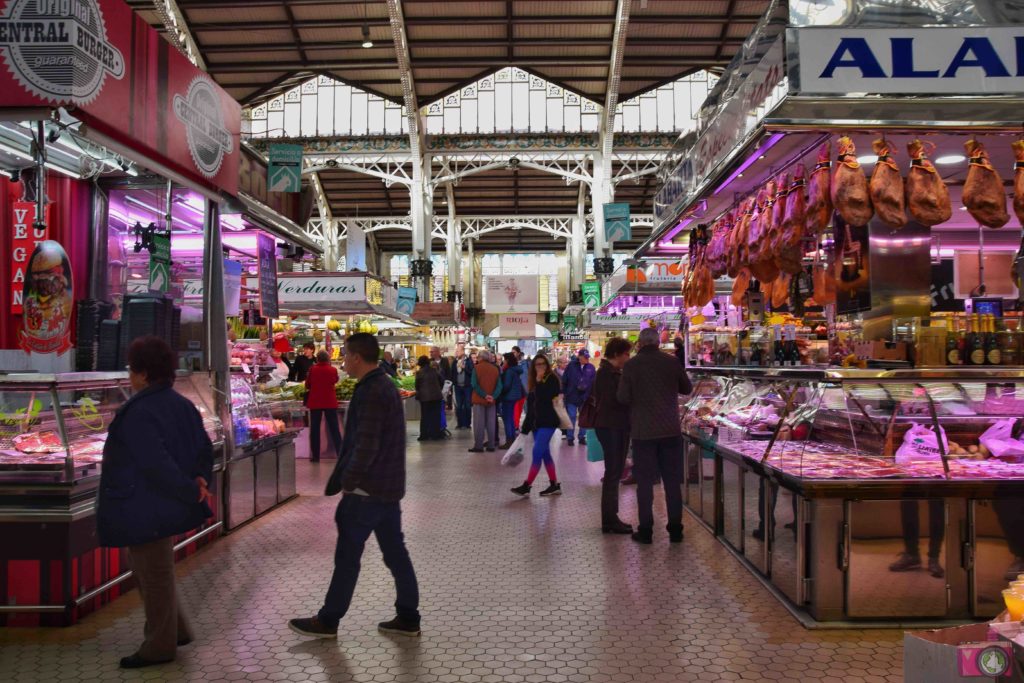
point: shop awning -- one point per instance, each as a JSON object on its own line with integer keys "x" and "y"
{"x": 272, "y": 222}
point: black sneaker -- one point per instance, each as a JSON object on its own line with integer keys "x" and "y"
{"x": 399, "y": 626}
{"x": 583, "y": 442}
{"x": 675, "y": 533}
{"x": 476, "y": 450}
{"x": 313, "y": 628}
{"x": 137, "y": 662}
{"x": 642, "y": 535}
{"x": 553, "y": 489}
{"x": 905, "y": 563}
{"x": 570, "y": 442}
{"x": 490, "y": 450}
{"x": 935, "y": 569}
{"x": 522, "y": 490}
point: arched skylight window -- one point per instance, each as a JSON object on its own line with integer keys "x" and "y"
{"x": 323, "y": 106}
{"x": 669, "y": 109}
{"x": 512, "y": 100}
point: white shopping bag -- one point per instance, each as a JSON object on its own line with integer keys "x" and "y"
{"x": 514, "y": 455}
{"x": 999, "y": 441}
{"x": 920, "y": 444}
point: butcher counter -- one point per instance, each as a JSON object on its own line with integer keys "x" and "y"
{"x": 825, "y": 483}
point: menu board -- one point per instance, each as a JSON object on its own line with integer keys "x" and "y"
{"x": 267, "y": 251}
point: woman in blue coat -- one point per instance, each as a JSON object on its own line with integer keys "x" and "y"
{"x": 512, "y": 392}
{"x": 157, "y": 465}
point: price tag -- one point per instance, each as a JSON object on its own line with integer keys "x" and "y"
{"x": 245, "y": 369}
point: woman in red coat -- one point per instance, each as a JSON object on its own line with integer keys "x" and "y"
{"x": 322, "y": 402}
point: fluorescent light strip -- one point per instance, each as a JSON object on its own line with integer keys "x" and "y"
{"x": 750, "y": 160}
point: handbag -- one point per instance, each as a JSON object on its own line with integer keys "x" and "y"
{"x": 588, "y": 412}
{"x": 563, "y": 415}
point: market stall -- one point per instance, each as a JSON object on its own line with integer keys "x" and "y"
{"x": 853, "y": 436}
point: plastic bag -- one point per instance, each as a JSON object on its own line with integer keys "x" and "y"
{"x": 595, "y": 452}
{"x": 514, "y": 455}
{"x": 919, "y": 444}
{"x": 999, "y": 441}
{"x": 563, "y": 414}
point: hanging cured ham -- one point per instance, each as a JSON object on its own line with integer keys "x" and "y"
{"x": 927, "y": 196}
{"x": 780, "y": 291}
{"x": 779, "y": 213}
{"x": 824, "y": 285}
{"x": 819, "y": 201}
{"x": 761, "y": 263}
{"x": 1018, "y": 180}
{"x": 738, "y": 240}
{"x": 984, "y": 195}
{"x": 796, "y": 208}
{"x": 886, "y": 188}
{"x": 850, "y": 186}
{"x": 739, "y": 287}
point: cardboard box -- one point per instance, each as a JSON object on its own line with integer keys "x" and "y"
{"x": 881, "y": 350}
{"x": 963, "y": 654}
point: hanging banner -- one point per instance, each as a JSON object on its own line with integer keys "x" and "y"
{"x": 266, "y": 249}
{"x": 232, "y": 287}
{"x": 119, "y": 76}
{"x": 160, "y": 262}
{"x": 284, "y": 173}
{"x": 406, "y": 303}
{"x": 591, "y": 294}
{"x": 512, "y": 294}
{"x": 49, "y": 296}
{"x": 26, "y": 237}
{"x": 616, "y": 222}
{"x": 518, "y": 325}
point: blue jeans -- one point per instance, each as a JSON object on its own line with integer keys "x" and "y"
{"x": 463, "y": 406}
{"x": 508, "y": 411}
{"x": 573, "y": 409}
{"x": 358, "y": 517}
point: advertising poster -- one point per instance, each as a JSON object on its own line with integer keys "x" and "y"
{"x": 48, "y": 300}
{"x": 406, "y": 300}
{"x": 26, "y": 237}
{"x": 512, "y": 294}
{"x": 267, "y": 252}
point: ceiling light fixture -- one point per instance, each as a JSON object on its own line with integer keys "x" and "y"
{"x": 366, "y": 36}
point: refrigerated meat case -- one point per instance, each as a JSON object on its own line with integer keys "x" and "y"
{"x": 52, "y": 431}
{"x": 840, "y": 464}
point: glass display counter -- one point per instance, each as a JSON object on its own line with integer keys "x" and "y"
{"x": 52, "y": 432}
{"x": 862, "y": 494}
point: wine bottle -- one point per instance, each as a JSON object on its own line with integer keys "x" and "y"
{"x": 952, "y": 343}
{"x": 993, "y": 355}
{"x": 975, "y": 341}
{"x": 780, "y": 356}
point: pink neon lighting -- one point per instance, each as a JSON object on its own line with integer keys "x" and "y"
{"x": 750, "y": 160}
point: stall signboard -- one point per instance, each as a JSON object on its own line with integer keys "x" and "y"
{"x": 985, "y": 60}
{"x": 518, "y": 325}
{"x": 406, "y": 300}
{"x": 553, "y": 317}
{"x": 716, "y": 144}
{"x": 569, "y": 322}
{"x": 434, "y": 311}
{"x": 616, "y": 222}
{"x": 26, "y": 237}
{"x": 591, "y": 294}
{"x": 573, "y": 336}
{"x": 48, "y": 301}
{"x": 284, "y": 171}
{"x": 295, "y": 290}
{"x": 632, "y": 320}
{"x": 266, "y": 249}
{"x": 664, "y": 273}
{"x": 160, "y": 262}
{"x": 512, "y": 294}
{"x": 119, "y": 76}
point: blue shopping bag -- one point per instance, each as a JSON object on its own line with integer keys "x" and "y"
{"x": 594, "y": 451}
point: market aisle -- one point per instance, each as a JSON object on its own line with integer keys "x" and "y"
{"x": 513, "y": 590}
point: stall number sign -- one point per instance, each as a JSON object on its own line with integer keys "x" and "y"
{"x": 25, "y": 239}
{"x": 961, "y": 61}
{"x": 160, "y": 263}
{"x": 267, "y": 252}
{"x": 616, "y": 222}
{"x": 591, "y": 294}
{"x": 284, "y": 170}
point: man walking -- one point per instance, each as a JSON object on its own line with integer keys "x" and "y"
{"x": 371, "y": 476}
{"x": 486, "y": 390}
{"x": 463, "y": 374}
{"x": 650, "y": 385}
{"x": 576, "y": 385}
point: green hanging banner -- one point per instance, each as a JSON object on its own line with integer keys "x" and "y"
{"x": 616, "y": 222}
{"x": 591, "y": 294}
{"x": 160, "y": 262}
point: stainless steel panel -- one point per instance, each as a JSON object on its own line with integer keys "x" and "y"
{"x": 824, "y": 534}
{"x": 883, "y": 533}
{"x": 691, "y": 487}
{"x": 905, "y": 13}
{"x": 285, "y": 472}
{"x": 996, "y": 553}
{"x": 732, "y": 504}
{"x": 266, "y": 480}
{"x": 755, "y": 549}
{"x": 708, "y": 487}
{"x": 787, "y": 545}
{"x": 241, "y": 491}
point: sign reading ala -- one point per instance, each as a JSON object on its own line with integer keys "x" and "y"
{"x": 941, "y": 60}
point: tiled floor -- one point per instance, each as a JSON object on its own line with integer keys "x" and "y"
{"x": 513, "y": 591}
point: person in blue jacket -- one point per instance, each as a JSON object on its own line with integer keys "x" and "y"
{"x": 577, "y": 382}
{"x": 154, "y": 484}
{"x": 511, "y": 393}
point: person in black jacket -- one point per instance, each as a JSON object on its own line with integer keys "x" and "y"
{"x": 157, "y": 465}
{"x": 543, "y": 421}
{"x": 302, "y": 364}
{"x": 371, "y": 474}
{"x": 611, "y": 422}
{"x": 428, "y": 393}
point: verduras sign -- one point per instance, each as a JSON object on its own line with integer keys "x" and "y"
{"x": 326, "y": 289}
{"x": 904, "y": 61}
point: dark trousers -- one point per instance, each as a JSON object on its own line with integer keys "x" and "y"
{"x": 1010, "y": 512}
{"x": 430, "y": 419}
{"x": 358, "y": 517}
{"x": 330, "y": 415}
{"x": 508, "y": 409}
{"x": 651, "y": 458}
{"x": 166, "y": 623}
{"x": 615, "y": 444}
{"x": 463, "y": 406}
{"x": 912, "y": 527}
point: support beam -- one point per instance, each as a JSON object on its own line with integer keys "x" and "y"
{"x": 577, "y": 245}
{"x": 453, "y": 244}
{"x": 177, "y": 27}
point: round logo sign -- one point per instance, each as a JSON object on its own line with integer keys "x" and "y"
{"x": 993, "y": 661}
{"x": 208, "y": 139}
{"x": 58, "y": 49}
